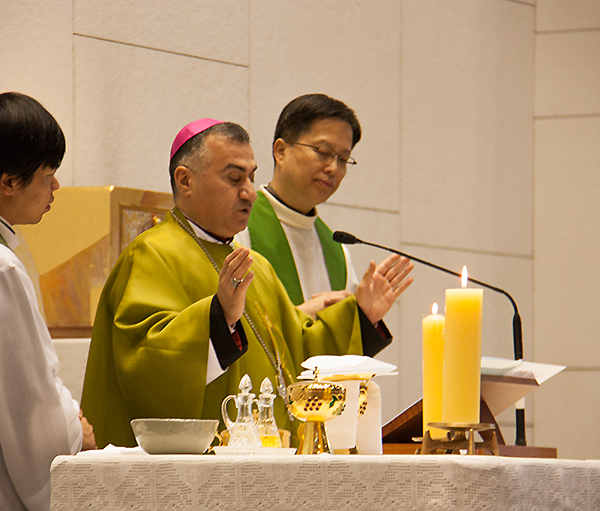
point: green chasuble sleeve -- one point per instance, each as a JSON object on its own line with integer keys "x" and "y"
{"x": 151, "y": 335}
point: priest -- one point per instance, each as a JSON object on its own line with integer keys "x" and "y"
{"x": 312, "y": 145}
{"x": 186, "y": 312}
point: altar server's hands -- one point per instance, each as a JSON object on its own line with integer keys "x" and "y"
{"x": 89, "y": 440}
{"x": 234, "y": 281}
{"x": 381, "y": 285}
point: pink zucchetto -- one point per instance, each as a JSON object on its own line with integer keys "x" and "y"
{"x": 191, "y": 130}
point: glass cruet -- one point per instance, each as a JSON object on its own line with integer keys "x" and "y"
{"x": 267, "y": 427}
{"x": 243, "y": 432}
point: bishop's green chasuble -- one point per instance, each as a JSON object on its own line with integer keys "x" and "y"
{"x": 150, "y": 339}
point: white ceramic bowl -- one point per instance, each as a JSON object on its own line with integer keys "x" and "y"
{"x": 174, "y": 436}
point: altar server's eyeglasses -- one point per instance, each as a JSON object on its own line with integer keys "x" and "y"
{"x": 326, "y": 157}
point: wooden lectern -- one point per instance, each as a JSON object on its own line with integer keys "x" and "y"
{"x": 497, "y": 394}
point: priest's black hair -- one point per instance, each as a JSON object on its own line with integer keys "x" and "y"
{"x": 301, "y": 113}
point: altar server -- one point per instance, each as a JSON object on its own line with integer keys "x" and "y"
{"x": 38, "y": 418}
{"x": 186, "y": 312}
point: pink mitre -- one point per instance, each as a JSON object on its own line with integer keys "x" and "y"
{"x": 191, "y": 130}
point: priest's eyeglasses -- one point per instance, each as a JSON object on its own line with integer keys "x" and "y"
{"x": 326, "y": 157}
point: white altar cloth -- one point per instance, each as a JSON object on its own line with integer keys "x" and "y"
{"x": 323, "y": 482}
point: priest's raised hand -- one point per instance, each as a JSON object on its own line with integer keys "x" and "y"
{"x": 381, "y": 286}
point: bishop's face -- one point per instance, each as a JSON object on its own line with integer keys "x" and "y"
{"x": 219, "y": 197}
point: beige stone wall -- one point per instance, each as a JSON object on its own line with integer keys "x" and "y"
{"x": 567, "y": 222}
{"x": 479, "y": 119}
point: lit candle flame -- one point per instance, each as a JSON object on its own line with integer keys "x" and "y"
{"x": 464, "y": 278}
{"x": 434, "y": 309}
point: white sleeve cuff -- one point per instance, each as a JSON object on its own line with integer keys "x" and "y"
{"x": 213, "y": 368}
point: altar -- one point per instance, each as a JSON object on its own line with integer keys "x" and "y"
{"x": 322, "y": 482}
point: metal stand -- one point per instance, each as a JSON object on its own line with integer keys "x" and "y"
{"x": 461, "y": 436}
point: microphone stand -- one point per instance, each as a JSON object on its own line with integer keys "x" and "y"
{"x": 349, "y": 239}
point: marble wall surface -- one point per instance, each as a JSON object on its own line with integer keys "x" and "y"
{"x": 567, "y": 222}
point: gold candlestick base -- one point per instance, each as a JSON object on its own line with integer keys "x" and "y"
{"x": 461, "y": 436}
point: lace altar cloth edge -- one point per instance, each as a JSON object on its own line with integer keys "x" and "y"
{"x": 191, "y": 482}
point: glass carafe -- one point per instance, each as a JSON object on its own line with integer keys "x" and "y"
{"x": 243, "y": 432}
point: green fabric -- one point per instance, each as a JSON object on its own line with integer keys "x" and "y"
{"x": 151, "y": 335}
{"x": 268, "y": 238}
{"x": 3, "y": 241}
{"x": 334, "y": 257}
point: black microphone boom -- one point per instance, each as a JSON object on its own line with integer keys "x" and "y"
{"x": 349, "y": 239}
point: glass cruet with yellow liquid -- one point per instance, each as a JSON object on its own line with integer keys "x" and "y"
{"x": 267, "y": 427}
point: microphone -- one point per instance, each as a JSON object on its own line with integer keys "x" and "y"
{"x": 349, "y": 239}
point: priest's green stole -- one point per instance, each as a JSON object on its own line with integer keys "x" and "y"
{"x": 269, "y": 239}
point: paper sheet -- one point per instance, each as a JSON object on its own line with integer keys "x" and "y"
{"x": 519, "y": 368}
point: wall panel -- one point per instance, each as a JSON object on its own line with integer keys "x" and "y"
{"x": 37, "y": 59}
{"x": 130, "y": 104}
{"x": 349, "y": 50}
{"x": 211, "y": 29}
{"x": 467, "y": 125}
